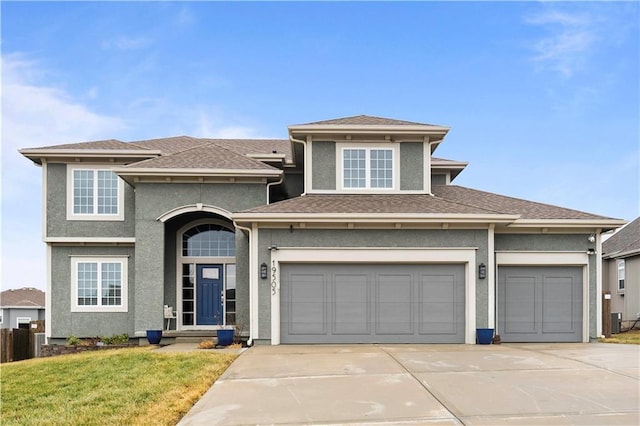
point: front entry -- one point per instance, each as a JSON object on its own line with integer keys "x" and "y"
{"x": 209, "y": 288}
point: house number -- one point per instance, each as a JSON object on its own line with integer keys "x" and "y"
{"x": 273, "y": 277}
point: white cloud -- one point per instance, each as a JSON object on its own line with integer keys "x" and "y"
{"x": 568, "y": 43}
{"x": 126, "y": 43}
{"x": 34, "y": 114}
{"x": 210, "y": 127}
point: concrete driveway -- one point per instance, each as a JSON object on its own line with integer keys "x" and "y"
{"x": 521, "y": 384}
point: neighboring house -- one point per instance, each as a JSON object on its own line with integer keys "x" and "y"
{"x": 621, "y": 271}
{"x": 21, "y": 306}
{"x": 349, "y": 231}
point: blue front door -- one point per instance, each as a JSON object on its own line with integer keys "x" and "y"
{"x": 209, "y": 286}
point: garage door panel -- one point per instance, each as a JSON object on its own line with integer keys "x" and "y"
{"x": 393, "y": 307}
{"x": 540, "y": 304}
{"x": 308, "y": 313}
{"x": 520, "y": 301}
{"x": 558, "y": 307}
{"x": 351, "y": 304}
{"x": 364, "y": 303}
{"x": 438, "y": 307}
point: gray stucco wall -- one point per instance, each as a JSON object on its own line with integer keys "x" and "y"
{"x": 156, "y": 274}
{"x": 59, "y": 226}
{"x": 557, "y": 242}
{"x": 412, "y": 166}
{"x": 369, "y": 238}
{"x": 87, "y": 324}
{"x": 323, "y": 161}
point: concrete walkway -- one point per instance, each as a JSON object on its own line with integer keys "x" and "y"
{"x": 515, "y": 384}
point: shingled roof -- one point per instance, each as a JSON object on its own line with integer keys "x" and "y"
{"x": 208, "y": 156}
{"x": 447, "y": 199}
{"x": 109, "y": 144}
{"x": 27, "y": 297}
{"x": 366, "y": 120}
{"x": 625, "y": 242}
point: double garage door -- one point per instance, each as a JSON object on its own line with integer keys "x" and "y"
{"x": 372, "y": 303}
{"x": 540, "y": 304}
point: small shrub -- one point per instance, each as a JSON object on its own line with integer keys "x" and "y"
{"x": 206, "y": 344}
{"x": 73, "y": 340}
{"x": 116, "y": 339}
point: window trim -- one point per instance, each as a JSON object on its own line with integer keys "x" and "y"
{"x": 124, "y": 285}
{"x": 368, "y": 147}
{"x": 620, "y": 267}
{"x": 22, "y": 320}
{"x": 119, "y": 216}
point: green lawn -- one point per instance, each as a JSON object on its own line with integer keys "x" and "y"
{"x": 134, "y": 386}
{"x": 629, "y": 337}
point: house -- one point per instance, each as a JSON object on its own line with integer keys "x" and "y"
{"x": 19, "y": 307}
{"x": 621, "y": 272}
{"x": 349, "y": 231}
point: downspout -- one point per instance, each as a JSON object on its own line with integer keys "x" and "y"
{"x": 269, "y": 185}
{"x": 304, "y": 176}
{"x": 251, "y": 281}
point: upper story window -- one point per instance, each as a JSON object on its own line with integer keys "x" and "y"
{"x": 367, "y": 168}
{"x": 621, "y": 275}
{"x": 99, "y": 284}
{"x": 94, "y": 193}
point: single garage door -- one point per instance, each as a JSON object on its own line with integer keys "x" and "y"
{"x": 540, "y": 304}
{"x": 377, "y": 303}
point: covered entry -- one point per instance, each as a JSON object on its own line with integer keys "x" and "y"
{"x": 369, "y": 303}
{"x": 540, "y": 303}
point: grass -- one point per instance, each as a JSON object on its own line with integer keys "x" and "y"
{"x": 631, "y": 337}
{"x": 133, "y": 386}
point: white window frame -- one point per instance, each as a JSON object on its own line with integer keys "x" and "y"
{"x": 368, "y": 147}
{"x": 119, "y": 216}
{"x": 620, "y": 271}
{"x": 124, "y": 285}
{"x": 23, "y": 320}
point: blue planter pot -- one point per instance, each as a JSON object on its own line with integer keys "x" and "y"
{"x": 225, "y": 337}
{"x": 484, "y": 335}
{"x": 154, "y": 336}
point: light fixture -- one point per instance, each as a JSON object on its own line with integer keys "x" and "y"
{"x": 482, "y": 271}
{"x": 592, "y": 238}
{"x": 591, "y": 251}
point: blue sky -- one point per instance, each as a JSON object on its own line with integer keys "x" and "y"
{"x": 542, "y": 97}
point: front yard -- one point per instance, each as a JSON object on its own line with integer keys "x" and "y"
{"x": 132, "y": 386}
{"x": 629, "y": 337}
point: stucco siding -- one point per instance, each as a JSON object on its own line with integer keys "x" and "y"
{"x": 323, "y": 165}
{"x": 59, "y": 226}
{"x": 87, "y": 324}
{"x": 338, "y": 238}
{"x": 412, "y": 166}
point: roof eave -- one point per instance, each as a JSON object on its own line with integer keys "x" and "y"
{"x": 621, "y": 254}
{"x": 374, "y": 217}
{"x": 604, "y": 224}
{"x": 36, "y": 155}
{"x": 328, "y": 129}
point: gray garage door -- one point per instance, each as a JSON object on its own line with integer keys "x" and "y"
{"x": 540, "y": 304}
{"x": 356, "y": 303}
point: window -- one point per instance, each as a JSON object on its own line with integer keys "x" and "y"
{"x": 94, "y": 194}
{"x": 621, "y": 275}
{"x": 367, "y": 168}
{"x": 209, "y": 240}
{"x": 99, "y": 284}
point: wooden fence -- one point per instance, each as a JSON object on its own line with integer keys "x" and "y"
{"x": 18, "y": 344}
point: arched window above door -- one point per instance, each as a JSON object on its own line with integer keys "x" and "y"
{"x": 208, "y": 240}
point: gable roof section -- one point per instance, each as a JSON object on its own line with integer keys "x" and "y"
{"x": 624, "y": 243}
{"x": 171, "y": 145}
{"x": 109, "y": 148}
{"x": 449, "y": 203}
{"x": 23, "y": 297}
{"x": 509, "y": 205}
{"x": 366, "y": 120}
{"x": 207, "y": 156}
